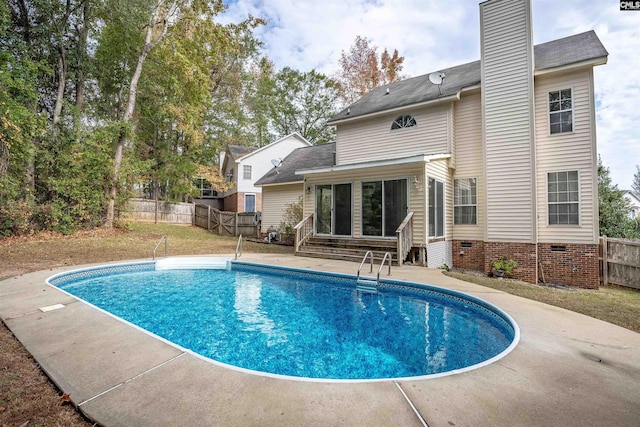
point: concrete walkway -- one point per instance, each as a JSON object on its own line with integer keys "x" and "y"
{"x": 568, "y": 370}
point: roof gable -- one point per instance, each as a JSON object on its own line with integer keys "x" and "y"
{"x": 295, "y": 135}
{"x": 301, "y": 158}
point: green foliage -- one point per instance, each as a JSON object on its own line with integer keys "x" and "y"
{"x": 303, "y": 102}
{"x": 614, "y": 208}
{"x": 504, "y": 264}
{"x": 291, "y": 216}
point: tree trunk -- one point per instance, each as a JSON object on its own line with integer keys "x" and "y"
{"x": 62, "y": 78}
{"x": 149, "y": 43}
{"x": 82, "y": 54}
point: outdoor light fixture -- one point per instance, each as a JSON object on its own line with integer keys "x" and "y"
{"x": 416, "y": 182}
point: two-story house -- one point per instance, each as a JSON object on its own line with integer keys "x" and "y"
{"x": 243, "y": 166}
{"x": 494, "y": 157}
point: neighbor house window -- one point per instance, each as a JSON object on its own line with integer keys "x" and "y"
{"x": 561, "y": 111}
{"x": 230, "y": 176}
{"x": 405, "y": 121}
{"x": 562, "y": 191}
{"x": 436, "y": 208}
{"x": 465, "y": 201}
{"x": 206, "y": 191}
{"x": 246, "y": 169}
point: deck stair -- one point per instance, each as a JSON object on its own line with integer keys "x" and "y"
{"x": 349, "y": 249}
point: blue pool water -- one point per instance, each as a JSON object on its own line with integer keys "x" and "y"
{"x": 301, "y": 324}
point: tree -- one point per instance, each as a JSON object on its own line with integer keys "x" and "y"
{"x": 361, "y": 70}
{"x": 303, "y": 102}
{"x": 635, "y": 184}
{"x": 613, "y": 208}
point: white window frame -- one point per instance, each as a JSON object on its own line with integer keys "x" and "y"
{"x": 436, "y": 206}
{"x": 462, "y": 205}
{"x": 246, "y": 172}
{"x": 407, "y": 122}
{"x": 572, "y": 110}
{"x": 557, "y": 203}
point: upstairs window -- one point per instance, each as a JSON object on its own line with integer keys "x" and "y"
{"x": 563, "y": 198}
{"x": 246, "y": 172}
{"x": 561, "y": 111}
{"x": 405, "y": 121}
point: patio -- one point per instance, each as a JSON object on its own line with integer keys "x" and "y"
{"x": 568, "y": 369}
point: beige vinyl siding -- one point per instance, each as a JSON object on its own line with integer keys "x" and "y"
{"x": 507, "y": 91}
{"x": 469, "y": 159}
{"x": 357, "y": 177}
{"x": 440, "y": 171}
{"x": 567, "y": 152}
{"x": 372, "y": 139}
{"x": 274, "y": 202}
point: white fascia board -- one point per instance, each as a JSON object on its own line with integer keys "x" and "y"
{"x": 294, "y": 134}
{"x": 279, "y": 183}
{"x": 455, "y": 97}
{"x": 582, "y": 64}
{"x": 375, "y": 164}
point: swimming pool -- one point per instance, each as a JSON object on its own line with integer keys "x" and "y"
{"x": 299, "y": 323}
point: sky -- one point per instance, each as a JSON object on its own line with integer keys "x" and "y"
{"x": 437, "y": 34}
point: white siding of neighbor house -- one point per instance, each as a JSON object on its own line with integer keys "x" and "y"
{"x": 507, "y": 94}
{"x": 275, "y": 200}
{"x": 260, "y": 162}
{"x": 566, "y": 152}
{"x": 357, "y": 177}
{"x": 469, "y": 159}
{"x": 372, "y": 139}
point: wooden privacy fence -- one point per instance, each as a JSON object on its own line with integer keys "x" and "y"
{"x": 144, "y": 210}
{"x": 227, "y": 223}
{"x": 620, "y": 262}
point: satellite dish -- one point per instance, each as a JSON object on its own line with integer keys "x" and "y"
{"x": 276, "y": 162}
{"x": 436, "y": 78}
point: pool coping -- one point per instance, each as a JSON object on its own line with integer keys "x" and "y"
{"x": 568, "y": 369}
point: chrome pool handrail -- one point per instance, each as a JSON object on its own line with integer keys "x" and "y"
{"x": 239, "y": 246}
{"x": 153, "y": 255}
{"x": 370, "y": 254}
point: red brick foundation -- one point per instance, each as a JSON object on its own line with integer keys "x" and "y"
{"x": 525, "y": 254}
{"x": 570, "y": 264}
{"x": 468, "y": 254}
{"x": 558, "y": 263}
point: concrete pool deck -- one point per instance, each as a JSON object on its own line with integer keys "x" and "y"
{"x": 569, "y": 369}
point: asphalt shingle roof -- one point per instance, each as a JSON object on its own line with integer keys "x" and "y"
{"x": 556, "y": 53}
{"x": 315, "y": 156}
{"x": 239, "y": 150}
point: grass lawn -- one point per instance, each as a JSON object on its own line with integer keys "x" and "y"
{"x": 27, "y": 396}
{"x": 617, "y": 305}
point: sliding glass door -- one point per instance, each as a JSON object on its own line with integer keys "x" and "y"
{"x": 333, "y": 209}
{"x": 384, "y": 206}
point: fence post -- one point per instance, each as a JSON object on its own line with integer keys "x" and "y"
{"x": 208, "y": 218}
{"x": 236, "y": 224}
{"x": 219, "y": 223}
{"x": 605, "y": 261}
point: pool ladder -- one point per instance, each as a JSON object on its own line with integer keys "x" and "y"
{"x": 153, "y": 255}
{"x": 370, "y": 283}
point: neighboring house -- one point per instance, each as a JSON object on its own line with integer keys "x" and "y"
{"x": 242, "y": 166}
{"x": 634, "y": 203}
{"x": 282, "y": 187}
{"x": 498, "y": 159}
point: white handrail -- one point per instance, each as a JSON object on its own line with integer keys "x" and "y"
{"x": 153, "y": 255}
{"x": 239, "y": 246}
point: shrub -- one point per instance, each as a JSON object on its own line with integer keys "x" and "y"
{"x": 504, "y": 264}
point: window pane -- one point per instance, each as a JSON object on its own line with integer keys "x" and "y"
{"x": 567, "y": 127}
{"x": 555, "y": 128}
{"x": 553, "y": 197}
{"x": 554, "y": 96}
{"x": 440, "y": 209}
{"x": 565, "y": 104}
{"x": 372, "y": 208}
{"x": 566, "y": 94}
{"x": 573, "y": 175}
{"x": 554, "y": 106}
{"x": 432, "y": 210}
